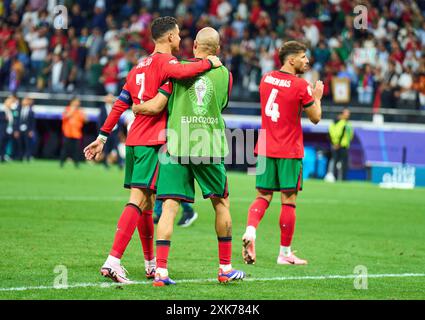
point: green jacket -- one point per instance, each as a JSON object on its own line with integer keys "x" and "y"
{"x": 341, "y": 133}
{"x": 195, "y": 125}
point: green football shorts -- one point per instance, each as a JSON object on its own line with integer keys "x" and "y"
{"x": 177, "y": 181}
{"x": 276, "y": 174}
{"x": 141, "y": 167}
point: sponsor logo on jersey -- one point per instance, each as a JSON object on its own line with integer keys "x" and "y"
{"x": 144, "y": 63}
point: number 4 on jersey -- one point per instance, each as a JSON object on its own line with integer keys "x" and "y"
{"x": 272, "y": 108}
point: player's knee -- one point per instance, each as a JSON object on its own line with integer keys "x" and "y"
{"x": 171, "y": 205}
{"x": 268, "y": 196}
{"x": 221, "y": 204}
{"x": 289, "y": 197}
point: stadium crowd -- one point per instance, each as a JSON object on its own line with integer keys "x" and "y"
{"x": 102, "y": 39}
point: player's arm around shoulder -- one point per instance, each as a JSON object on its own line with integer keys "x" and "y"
{"x": 155, "y": 105}
{"x": 151, "y": 107}
{"x": 314, "y": 108}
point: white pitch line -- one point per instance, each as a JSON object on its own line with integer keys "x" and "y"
{"x": 108, "y": 285}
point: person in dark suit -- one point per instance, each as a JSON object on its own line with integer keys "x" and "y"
{"x": 111, "y": 147}
{"x": 24, "y": 130}
{"x": 7, "y": 125}
{"x": 3, "y": 126}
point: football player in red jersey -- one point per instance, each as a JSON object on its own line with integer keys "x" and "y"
{"x": 280, "y": 146}
{"x": 144, "y": 139}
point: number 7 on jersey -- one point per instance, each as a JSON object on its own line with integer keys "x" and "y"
{"x": 140, "y": 80}
{"x": 272, "y": 108}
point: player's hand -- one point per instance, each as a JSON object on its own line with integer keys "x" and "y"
{"x": 93, "y": 150}
{"x": 318, "y": 90}
{"x": 215, "y": 61}
{"x": 136, "y": 108}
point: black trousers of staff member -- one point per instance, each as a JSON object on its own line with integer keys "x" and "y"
{"x": 24, "y": 146}
{"x": 70, "y": 148}
{"x": 340, "y": 155}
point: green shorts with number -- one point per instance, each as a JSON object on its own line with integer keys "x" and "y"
{"x": 276, "y": 174}
{"x": 141, "y": 167}
{"x": 177, "y": 181}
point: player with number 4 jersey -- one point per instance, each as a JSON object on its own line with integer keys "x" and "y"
{"x": 284, "y": 96}
{"x": 143, "y": 142}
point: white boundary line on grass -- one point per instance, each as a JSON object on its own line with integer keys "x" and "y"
{"x": 108, "y": 285}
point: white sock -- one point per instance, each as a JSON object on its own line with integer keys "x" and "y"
{"x": 162, "y": 272}
{"x": 113, "y": 260}
{"x": 150, "y": 263}
{"x": 251, "y": 232}
{"x": 225, "y": 267}
{"x": 286, "y": 251}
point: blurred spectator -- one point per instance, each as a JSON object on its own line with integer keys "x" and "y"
{"x": 311, "y": 32}
{"x": 407, "y": 94}
{"x": 366, "y": 85}
{"x": 389, "y": 87}
{"x": 321, "y": 55}
{"x": 110, "y": 77}
{"x": 16, "y": 74}
{"x": 95, "y": 42}
{"x": 419, "y": 85}
{"x": 29, "y": 19}
{"x": 166, "y": 7}
{"x": 39, "y": 45}
{"x": 76, "y": 20}
{"x": 25, "y": 129}
{"x": 224, "y": 10}
{"x": 57, "y": 74}
{"x": 99, "y": 18}
{"x": 58, "y": 41}
{"x": 126, "y": 10}
{"x": 396, "y": 33}
{"x": 94, "y": 74}
{"x": 72, "y": 128}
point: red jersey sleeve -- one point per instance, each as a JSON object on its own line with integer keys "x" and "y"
{"x": 166, "y": 89}
{"x": 306, "y": 94}
{"x": 123, "y": 102}
{"x": 174, "y": 69}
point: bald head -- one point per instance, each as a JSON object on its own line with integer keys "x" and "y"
{"x": 207, "y": 42}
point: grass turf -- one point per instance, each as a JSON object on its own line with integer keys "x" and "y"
{"x": 51, "y": 216}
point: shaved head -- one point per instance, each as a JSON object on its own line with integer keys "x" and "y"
{"x": 207, "y": 41}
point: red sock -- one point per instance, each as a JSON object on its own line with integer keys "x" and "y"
{"x": 146, "y": 229}
{"x": 162, "y": 250}
{"x": 287, "y": 224}
{"x": 225, "y": 250}
{"x": 256, "y": 211}
{"x": 125, "y": 229}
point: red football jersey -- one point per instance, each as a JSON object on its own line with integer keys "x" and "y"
{"x": 283, "y": 97}
{"x": 143, "y": 82}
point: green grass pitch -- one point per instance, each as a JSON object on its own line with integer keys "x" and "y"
{"x": 53, "y": 217}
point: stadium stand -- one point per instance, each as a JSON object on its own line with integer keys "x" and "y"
{"x": 102, "y": 39}
{"x": 88, "y": 48}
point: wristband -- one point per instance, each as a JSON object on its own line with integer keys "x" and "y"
{"x": 102, "y": 138}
